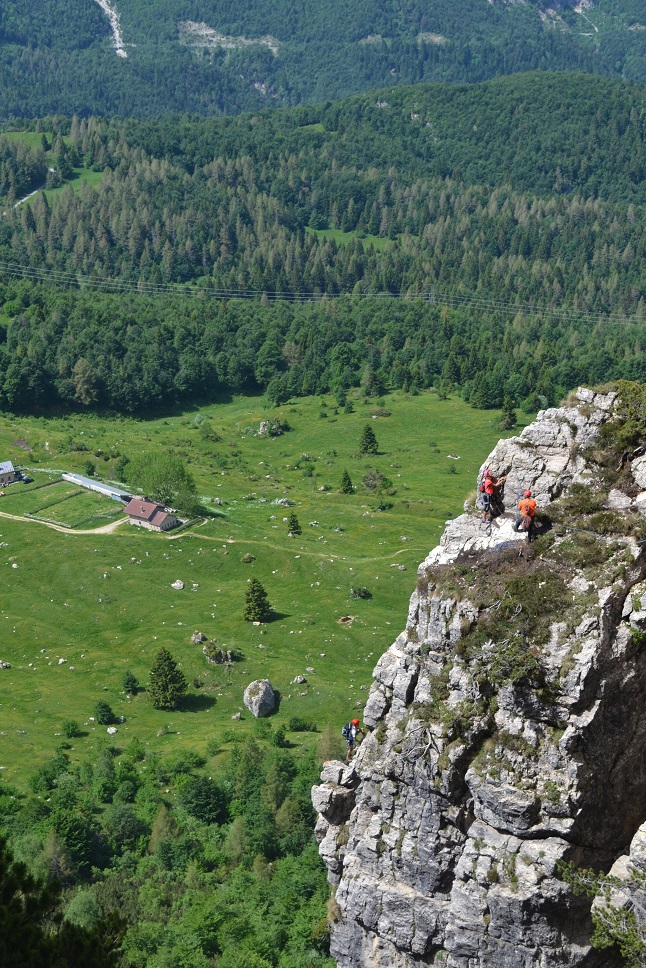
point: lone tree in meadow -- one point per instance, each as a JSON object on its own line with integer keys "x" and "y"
{"x": 508, "y": 419}
{"x": 167, "y": 684}
{"x": 346, "y": 484}
{"x": 103, "y": 714}
{"x": 293, "y": 526}
{"x": 368, "y": 441}
{"x": 164, "y": 478}
{"x": 256, "y": 607}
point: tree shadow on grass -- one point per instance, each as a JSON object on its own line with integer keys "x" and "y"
{"x": 277, "y": 617}
{"x": 195, "y": 704}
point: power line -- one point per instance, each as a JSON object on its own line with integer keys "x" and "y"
{"x": 436, "y": 296}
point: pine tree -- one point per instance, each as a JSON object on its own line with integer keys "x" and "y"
{"x": 508, "y": 418}
{"x": 368, "y": 441}
{"x": 346, "y": 484}
{"x": 292, "y": 525}
{"x": 167, "y": 684}
{"x": 257, "y": 607}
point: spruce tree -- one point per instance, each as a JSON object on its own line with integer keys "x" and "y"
{"x": 346, "y": 484}
{"x": 292, "y": 525}
{"x": 257, "y": 607}
{"x": 508, "y": 416}
{"x": 368, "y": 441}
{"x": 167, "y": 684}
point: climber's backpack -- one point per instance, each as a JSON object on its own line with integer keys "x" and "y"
{"x": 346, "y": 732}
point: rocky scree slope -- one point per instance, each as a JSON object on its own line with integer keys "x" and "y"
{"x": 507, "y": 721}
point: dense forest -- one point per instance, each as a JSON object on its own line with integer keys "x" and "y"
{"x": 532, "y": 230}
{"x": 134, "y": 352}
{"x": 152, "y": 860}
{"x": 57, "y": 56}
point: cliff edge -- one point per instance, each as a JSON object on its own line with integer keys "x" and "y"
{"x": 507, "y": 719}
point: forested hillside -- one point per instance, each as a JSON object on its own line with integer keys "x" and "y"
{"x": 506, "y": 200}
{"x": 213, "y": 57}
{"x": 232, "y": 872}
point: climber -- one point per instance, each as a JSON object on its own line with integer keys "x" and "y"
{"x": 490, "y": 497}
{"x": 350, "y": 731}
{"x": 527, "y": 509}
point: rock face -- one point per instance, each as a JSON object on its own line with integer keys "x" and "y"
{"x": 260, "y": 698}
{"x": 508, "y": 727}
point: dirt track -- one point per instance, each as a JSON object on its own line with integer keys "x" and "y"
{"x": 104, "y": 529}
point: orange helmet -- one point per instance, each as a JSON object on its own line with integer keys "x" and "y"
{"x": 355, "y": 722}
{"x": 527, "y": 493}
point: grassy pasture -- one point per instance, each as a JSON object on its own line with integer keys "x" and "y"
{"x": 344, "y": 238}
{"x": 104, "y": 602}
{"x": 77, "y": 178}
{"x": 31, "y": 138}
{"x": 17, "y": 500}
{"x": 79, "y": 175}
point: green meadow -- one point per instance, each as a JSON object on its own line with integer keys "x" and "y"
{"x": 104, "y": 604}
{"x": 78, "y": 176}
{"x": 344, "y": 238}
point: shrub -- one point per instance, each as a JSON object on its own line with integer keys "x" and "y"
{"x": 71, "y": 728}
{"x": 298, "y": 725}
{"x": 130, "y": 683}
{"x": 359, "y": 591}
{"x": 103, "y": 714}
{"x": 374, "y": 480}
{"x": 203, "y": 798}
{"x": 279, "y": 737}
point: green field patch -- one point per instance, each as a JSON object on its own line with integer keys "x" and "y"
{"x": 32, "y": 138}
{"x": 79, "y": 177}
{"x": 84, "y": 510}
{"x": 36, "y": 499}
{"x": 344, "y": 238}
{"x": 105, "y": 604}
{"x": 317, "y": 128}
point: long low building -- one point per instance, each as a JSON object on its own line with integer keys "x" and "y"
{"x": 113, "y": 492}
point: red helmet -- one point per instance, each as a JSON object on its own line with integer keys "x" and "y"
{"x": 527, "y": 493}
{"x": 355, "y": 722}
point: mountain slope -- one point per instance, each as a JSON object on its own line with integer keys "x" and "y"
{"x": 212, "y": 57}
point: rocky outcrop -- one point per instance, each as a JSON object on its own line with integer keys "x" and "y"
{"x": 260, "y": 698}
{"x": 507, "y": 724}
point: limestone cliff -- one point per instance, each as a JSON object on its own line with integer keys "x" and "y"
{"x": 507, "y": 721}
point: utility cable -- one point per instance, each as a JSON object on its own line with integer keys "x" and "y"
{"x": 436, "y": 296}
